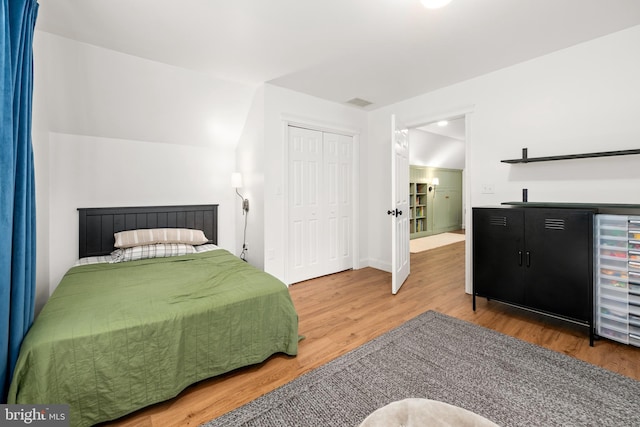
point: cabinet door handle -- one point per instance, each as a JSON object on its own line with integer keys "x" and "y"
{"x": 528, "y": 259}
{"x": 519, "y": 258}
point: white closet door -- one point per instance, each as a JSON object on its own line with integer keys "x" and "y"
{"x": 338, "y": 168}
{"x": 306, "y": 243}
{"x": 320, "y": 210}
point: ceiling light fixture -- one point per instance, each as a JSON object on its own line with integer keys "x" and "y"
{"x": 443, "y": 123}
{"x": 434, "y": 4}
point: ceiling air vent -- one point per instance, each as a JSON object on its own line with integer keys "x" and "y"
{"x": 359, "y": 102}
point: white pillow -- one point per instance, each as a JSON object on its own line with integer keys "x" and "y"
{"x": 150, "y": 236}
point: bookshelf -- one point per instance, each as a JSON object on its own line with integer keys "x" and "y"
{"x": 418, "y": 192}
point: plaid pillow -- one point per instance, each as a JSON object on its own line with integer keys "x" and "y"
{"x": 160, "y": 250}
{"x": 93, "y": 260}
{"x": 206, "y": 247}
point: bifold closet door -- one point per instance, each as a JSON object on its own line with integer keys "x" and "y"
{"x": 319, "y": 204}
{"x": 338, "y": 161}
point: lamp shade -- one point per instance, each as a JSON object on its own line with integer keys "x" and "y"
{"x": 236, "y": 180}
{"x": 435, "y": 181}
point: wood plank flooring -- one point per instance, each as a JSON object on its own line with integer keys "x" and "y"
{"x": 343, "y": 311}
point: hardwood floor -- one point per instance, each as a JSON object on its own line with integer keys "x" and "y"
{"x": 342, "y": 311}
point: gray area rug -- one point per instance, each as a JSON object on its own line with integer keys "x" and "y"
{"x": 434, "y": 356}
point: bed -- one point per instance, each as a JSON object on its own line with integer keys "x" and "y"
{"x": 116, "y": 337}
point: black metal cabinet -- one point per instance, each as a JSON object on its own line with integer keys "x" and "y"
{"x": 536, "y": 258}
{"x": 498, "y": 242}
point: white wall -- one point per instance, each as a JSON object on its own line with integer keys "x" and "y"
{"x": 430, "y": 149}
{"x": 40, "y": 137}
{"x": 577, "y": 100}
{"x": 128, "y": 173}
{"x": 116, "y": 130}
{"x": 100, "y": 92}
{"x": 93, "y": 106}
{"x": 282, "y": 105}
{"x": 250, "y": 154}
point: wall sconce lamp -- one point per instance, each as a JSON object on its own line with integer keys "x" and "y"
{"x": 236, "y": 182}
{"x": 434, "y": 182}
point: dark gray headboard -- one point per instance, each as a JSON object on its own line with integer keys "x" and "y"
{"x": 97, "y": 225}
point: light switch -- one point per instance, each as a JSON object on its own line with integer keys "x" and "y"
{"x": 488, "y": 189}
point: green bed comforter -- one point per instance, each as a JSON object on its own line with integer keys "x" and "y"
{"x": 114, "y": 338}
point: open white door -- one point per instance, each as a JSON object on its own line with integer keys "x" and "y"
{"x": 400, "y": 204}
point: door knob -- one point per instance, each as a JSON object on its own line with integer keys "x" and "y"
{"x": 394, "y": 212}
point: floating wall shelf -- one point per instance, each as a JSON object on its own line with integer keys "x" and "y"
{"x": 526, "y": 159}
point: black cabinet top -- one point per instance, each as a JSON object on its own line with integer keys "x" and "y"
{"x": 605, "y": 208}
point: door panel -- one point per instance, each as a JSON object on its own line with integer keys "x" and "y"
{"x": 338, "y": 169}
{"x": 400, "y": 260}
{"x": 498, "y": 251}
{"x": 296, "y": 244}
{"x": 305, "y": 204}
{"x": 558, "y": 249}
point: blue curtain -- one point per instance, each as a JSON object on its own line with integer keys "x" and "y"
{"x": 17, "y": 192}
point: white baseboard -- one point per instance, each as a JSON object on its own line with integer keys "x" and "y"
{"x": 380, "y": 265}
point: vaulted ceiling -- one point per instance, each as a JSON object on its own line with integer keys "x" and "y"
{"x": 382, "y": 51}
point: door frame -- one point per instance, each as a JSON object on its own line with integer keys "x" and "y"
{"x": 467, "y": 113}
{"x": 318, "y": 125}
